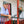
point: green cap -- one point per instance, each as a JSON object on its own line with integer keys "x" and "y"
{"x": 4, "y": 2}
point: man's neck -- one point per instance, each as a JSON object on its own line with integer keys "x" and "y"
{"x": 4, "y": 8}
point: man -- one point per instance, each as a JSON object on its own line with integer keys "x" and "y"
{"x": 4, "y": 11}
{"x": 20, "y": 10}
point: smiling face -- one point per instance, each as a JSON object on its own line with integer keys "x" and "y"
{"x": 5, "y": 6}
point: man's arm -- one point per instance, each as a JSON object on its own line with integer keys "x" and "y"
{"x": 3, "y": 15}
{"x": 9, "y": 16}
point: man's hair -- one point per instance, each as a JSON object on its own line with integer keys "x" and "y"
{"x": 4, "y": 2}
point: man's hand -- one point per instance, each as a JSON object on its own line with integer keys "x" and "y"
{"x": 9, "y": 16}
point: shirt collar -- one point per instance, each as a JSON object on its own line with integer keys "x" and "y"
{"x": 4, "y": 8}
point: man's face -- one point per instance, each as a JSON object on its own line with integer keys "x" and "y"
{"x": 20, "y": 8}
{"x": 5, "y": 5}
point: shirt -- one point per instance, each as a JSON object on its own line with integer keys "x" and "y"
{"x": 3, "y": 11}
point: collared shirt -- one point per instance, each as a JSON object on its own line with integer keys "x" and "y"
{"x": 3, "y": 11}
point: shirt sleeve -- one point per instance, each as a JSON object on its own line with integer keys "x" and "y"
{"x": 2, "y": 11}
{"x": 7, "y": 12}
